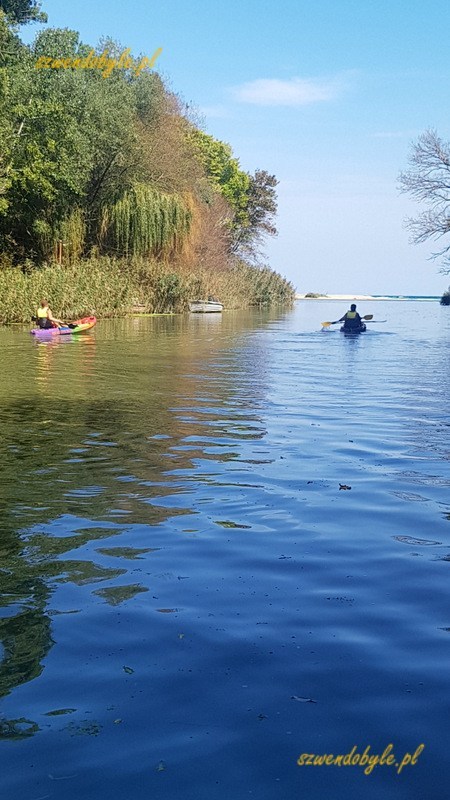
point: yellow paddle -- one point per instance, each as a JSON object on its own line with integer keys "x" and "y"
{"x": 327, "y": 324}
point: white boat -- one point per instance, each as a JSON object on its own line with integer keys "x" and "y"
{"x": 205, "y": 307}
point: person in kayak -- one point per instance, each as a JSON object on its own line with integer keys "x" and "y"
{"x": 351, "y": 319}
{"x": 45, "y": 317}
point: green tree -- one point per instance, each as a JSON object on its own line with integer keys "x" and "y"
{"x": 10, "y": 48}
{"x": 252, "y": 198}
{"x": 74, "y": 146}
{"x": 23, "y": 11}
{"x": 50, "y": 159}
{"x": 224, "y": 173}
{"x": 114, "y": 164}
{"x": 261, "y": 210}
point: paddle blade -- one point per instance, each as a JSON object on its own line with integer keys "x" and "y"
{"x": 368, "y": 316}
{"x": 326, "y": 324}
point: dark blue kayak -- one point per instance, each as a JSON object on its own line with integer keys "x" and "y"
{"x": 353, "y": 331}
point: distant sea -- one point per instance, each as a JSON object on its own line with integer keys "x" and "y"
{"x": 408, "y": 296}
{"x": 356, "y": 296}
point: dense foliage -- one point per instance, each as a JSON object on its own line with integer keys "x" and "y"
{"x": 94, "y": 165}
{"x": 113, "y": 287}
{"x": 252, "y": 198}
{"x": 22, "y": 11}
{"x": 445, "y": 299}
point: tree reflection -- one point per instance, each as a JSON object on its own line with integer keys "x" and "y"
{"x": 93, "y": 437}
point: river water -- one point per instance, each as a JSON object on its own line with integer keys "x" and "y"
{"x": 225, "y": 542}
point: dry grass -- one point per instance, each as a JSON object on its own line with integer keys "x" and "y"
{"x": 107, "y": 287}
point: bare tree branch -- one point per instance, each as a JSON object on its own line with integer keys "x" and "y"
{"x": 428, "y": 181}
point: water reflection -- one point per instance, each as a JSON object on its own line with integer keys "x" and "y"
{"x": 178, "y": 561}
{"x": 101, "y": 428}
{"x": 50, "y": 349}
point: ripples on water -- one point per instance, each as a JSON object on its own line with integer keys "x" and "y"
{"x": 207, "y": 522}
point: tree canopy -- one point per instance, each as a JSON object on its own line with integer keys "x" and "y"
{"x": 251, "y": 197}
{"x": 112, "y": 164}
{"x": 23, "y": 11}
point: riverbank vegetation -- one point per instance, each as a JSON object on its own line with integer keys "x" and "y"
{"x": 109, "y": 287}
{"x": 445, "y": 299}
{"x": 111, "y": 195}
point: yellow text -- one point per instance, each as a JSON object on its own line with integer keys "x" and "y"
{"x": 353, "y": 759}
{"x": 103, "y": 62}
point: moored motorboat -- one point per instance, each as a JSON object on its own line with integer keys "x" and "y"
{"x": 205, "y": 307}
{"x": 78, "y": 326}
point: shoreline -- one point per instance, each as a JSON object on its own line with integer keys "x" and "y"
{"x": 340, "y": 297}
{"x": 368, "y": 297}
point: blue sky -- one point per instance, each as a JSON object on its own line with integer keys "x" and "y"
{"x": 326, "y": 94}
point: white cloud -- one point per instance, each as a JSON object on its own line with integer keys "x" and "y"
{"x": 292, "y": 92}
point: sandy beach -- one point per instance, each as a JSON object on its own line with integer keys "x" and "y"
{"x": 342, "y": 297}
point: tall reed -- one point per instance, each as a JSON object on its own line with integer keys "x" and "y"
{"x": 112, "y": 287}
